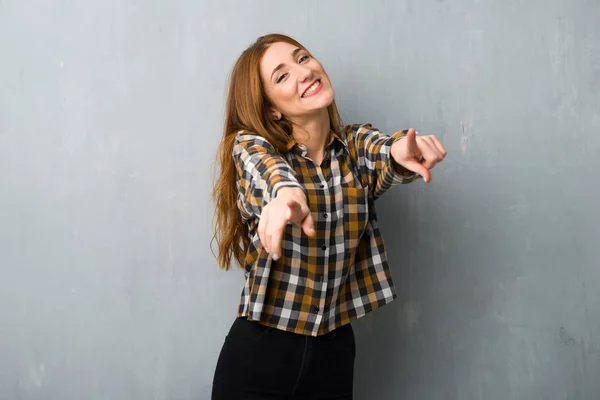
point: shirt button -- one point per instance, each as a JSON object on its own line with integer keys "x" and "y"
{"x": 325, "y": 215}
{"x": 315, "y": 309}
{"x": 324, "y": 247}
{"x": 320, "y": 277}
{"x": 322, "y": 185}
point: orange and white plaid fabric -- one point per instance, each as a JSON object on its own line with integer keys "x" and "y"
{"x": 319, "y": 283}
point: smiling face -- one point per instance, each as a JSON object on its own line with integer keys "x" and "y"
{"x": 295, "y": 83}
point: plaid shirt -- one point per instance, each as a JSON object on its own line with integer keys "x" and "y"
{"x": 319, "y": 283}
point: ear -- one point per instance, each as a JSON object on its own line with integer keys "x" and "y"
{"x": 275, "y": 115}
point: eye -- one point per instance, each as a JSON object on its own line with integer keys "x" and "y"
{"x": 281, "y": 77}
{"x": 303, "y": 58}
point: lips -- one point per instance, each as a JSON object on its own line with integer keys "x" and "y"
{"x": 314, "y": 85}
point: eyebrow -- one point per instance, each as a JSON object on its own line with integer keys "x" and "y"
{"x": 277, "y": 68}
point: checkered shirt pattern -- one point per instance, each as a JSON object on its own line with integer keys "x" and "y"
{"x": 321, "y": 283}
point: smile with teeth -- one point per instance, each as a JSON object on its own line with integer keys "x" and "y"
{"x": 311, "y": 89}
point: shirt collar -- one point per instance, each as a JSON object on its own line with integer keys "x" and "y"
{"x": 340, "y": 143}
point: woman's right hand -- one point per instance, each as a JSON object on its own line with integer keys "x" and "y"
{"x": 288, "y": 206}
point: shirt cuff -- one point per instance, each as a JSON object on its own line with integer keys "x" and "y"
{"x": 283, "y": 184}
{"x": 399, "y": 174}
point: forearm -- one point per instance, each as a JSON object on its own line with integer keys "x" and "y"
{"x": 261, "y": 174}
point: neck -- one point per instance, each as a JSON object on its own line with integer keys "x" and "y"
{"x": 313, "y": 132}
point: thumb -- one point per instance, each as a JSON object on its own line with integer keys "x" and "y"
{"x": 308, "y": 225}
{"x": 288, "y": 213}
{"x": 293, "y": 211}
{"x": 418, "y": 168}
{"x": 300, "y": 216}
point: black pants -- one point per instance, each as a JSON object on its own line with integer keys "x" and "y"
{"x": 258, "y": 362}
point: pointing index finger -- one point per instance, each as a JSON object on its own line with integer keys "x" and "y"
{"x": 411, "y": 136}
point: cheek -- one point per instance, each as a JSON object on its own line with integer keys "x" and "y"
{"x": 283, "y": 94}
{"x": 290, "y": 91}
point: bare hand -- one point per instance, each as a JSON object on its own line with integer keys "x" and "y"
{"x": 418, "y": 154}
{"x": 288, "y": 206}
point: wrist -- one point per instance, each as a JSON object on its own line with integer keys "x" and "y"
{"x": 394, "y": 151}
{"x": 291, "y": 193}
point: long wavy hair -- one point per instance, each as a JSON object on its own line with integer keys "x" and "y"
{"x": 247, "y": 108}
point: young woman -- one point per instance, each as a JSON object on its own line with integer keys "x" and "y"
{"x": 295, "y": 208}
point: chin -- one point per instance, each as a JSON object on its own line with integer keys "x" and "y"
{"x": 325, "y": 99}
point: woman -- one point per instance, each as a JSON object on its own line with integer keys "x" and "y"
{"x": 295, "y": 208}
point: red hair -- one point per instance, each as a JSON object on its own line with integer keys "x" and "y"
{"x": 247, "y": 109}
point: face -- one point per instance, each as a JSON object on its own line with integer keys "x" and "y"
{"x": 295, "y": 83}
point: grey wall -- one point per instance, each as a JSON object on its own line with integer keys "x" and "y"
{"x": 111, "y": 111}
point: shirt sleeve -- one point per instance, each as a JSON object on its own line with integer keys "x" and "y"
{"x": 261, "y": 172}
{"x": 378, "y": 168}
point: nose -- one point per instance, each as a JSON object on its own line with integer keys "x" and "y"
{"x": 304, "y": 73}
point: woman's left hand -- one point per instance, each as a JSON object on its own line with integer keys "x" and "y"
{"x": 418, "y": 154}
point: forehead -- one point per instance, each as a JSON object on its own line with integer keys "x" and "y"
{"x": 277, "y": 53}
